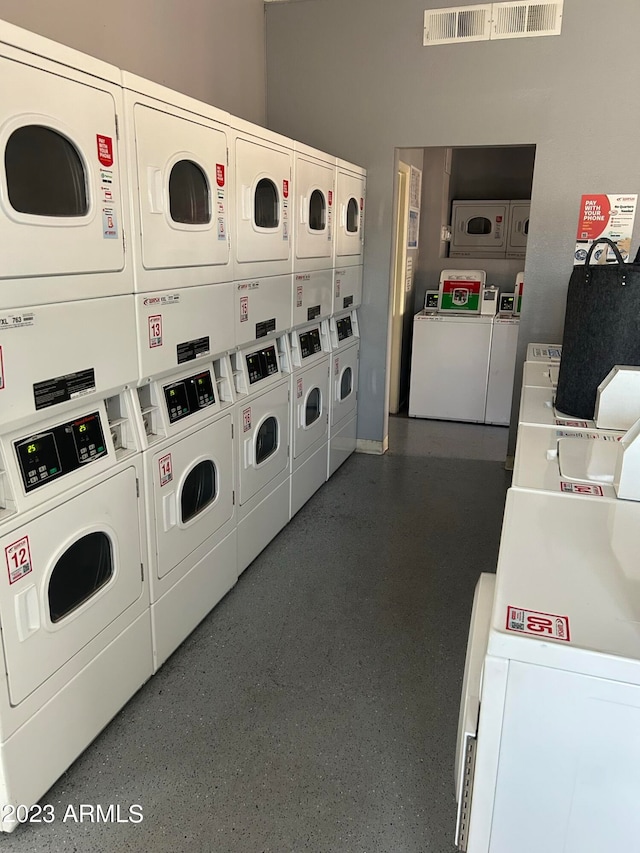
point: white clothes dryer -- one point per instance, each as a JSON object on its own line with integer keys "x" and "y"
{"x": 261, "y": 375}
{"x": 62, "y": 219}
{"x": 52, "y": 356}
{"x": 312, "y": 297}
{"x": 347, "y": 289}
{"x": 314, "y": 178}
{"x": 189, "y": 490}
{"x": 262, "y": 308}
{"x": 183, "y": 325}
{"x": 518, "y": 229}
{"x": 74, "y": 603}
{"x": 343, "y": 411}
{"x": 181, "y": 177}
{"x": 351, "y": 183}
{"x": 479, "y": 229}
{"x": 264, "y": 202}
{"x": 310, "y": 359}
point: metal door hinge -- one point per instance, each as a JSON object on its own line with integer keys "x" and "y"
{"x": 231, "y": 429}
{"x": 464, "y": 806}
{"x": 117, "y": 127}
{"x": 141, "y": 571}
{"x": 137, "y": 488}
{"x": 233, "y": 498}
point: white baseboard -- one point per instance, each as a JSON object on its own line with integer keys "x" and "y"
{"x": 377, "y": 448}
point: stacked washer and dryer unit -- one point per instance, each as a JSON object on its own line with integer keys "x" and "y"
{"x": 168, "y": 308}
{"x": 74, "y": 590}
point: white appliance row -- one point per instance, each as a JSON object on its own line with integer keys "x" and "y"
{"x": 127, "y": 187}
{"x": 489, "y": 229}
{"x": 547, "y": 749}
{"x": 126, "y": 515}
{"x": 462, "y": 367}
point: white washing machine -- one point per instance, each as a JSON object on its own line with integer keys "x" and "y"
{"x": 450, "y": 366}
{"x": 547, "y": 743}
{"x": 53, "y": 356}
{"x": 314, "y": 178}
{"x": 64, "y": 178}
{"x": 347, "y": 289}
{"x": 343, "y": 382}
{"x": 261, "y": 374}
{"x": 571, "y": 462}
{"x": 262, "y": 308}
{"x": 351, "y": 184}
{"x": 185, "y": 420}
{"x": 310, "y": 384}
{"x": 312, "y": 296}
{"x": 190, "y": 324}
{"x": 74, "y": 603}
{"x": 180, "y": 176}
{"x": 518, "y": 229}
{"x": 264, "y": 202}
{"x": 537, "y": 408}
{"x": 502, "y": 368}
{"x": 479, "y": 229}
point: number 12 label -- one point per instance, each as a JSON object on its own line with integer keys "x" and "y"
{"x": 18, "y": 557}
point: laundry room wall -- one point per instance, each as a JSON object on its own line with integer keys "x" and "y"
{"x": 213, "y": 50}
{"x": 379, "y": 89}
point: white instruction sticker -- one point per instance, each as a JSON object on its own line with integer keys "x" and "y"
{"x": 16, "y": 321}
{"x": 109, "y": 223}
{"x": 244, "y": 309}
{"x": 300, "y": 389}
{"x": 299, "y": 296}
{"x": 545, "y": 625}
{"x": 18, "y": 557}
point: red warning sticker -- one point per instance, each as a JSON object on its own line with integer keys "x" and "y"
{"x": 246, "y": 419}
{"x": 285, "y": 189}
{"x": 18, "y": 557}
{"x": 330, "y": 198}
{"x": 544, "y": 625}
{"x": 165, "y": 467}
{"x": 220, "y": 174}
{"x": 105, "y": 150}
{"x": 155, "y": 330}
{"x": 361, "y": 204}
{"x": 581, "y": 489}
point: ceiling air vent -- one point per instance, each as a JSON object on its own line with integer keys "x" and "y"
{"x": 457, "y": 24}
{"x": 526, "y": 19}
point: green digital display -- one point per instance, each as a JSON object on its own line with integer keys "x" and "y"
{"x": 82, "y": 428}
{"x": 32, "y": 448}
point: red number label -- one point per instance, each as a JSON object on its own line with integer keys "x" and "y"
{"x": 19, "y": 557}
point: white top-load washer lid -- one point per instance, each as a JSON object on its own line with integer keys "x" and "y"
{"x": 314, "y": 178}
{"x": 577, "y": 463}
{"x": 568, "y": 585}
{"x": 351, "y": 184}
{"x": 537, "y": 407}
{"x": 540, "y": 374}
{"x": 61, "y": 189}
{"x": 178, "y": 153}
{"x": 264, "y": 204}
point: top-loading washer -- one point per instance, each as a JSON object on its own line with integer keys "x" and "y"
{"x": 74, "y": 602}
{"x": 62, "y": 217}
{"x": 264, "y": 202}
{"x": 178, "y": 156}
{"x": 261, "y": 375}
{"x": 314, "y": 177}
{"x": 351, "y": 182}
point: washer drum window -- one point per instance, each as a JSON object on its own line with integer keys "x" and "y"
{"x": 79, "y": 573}
{"x": 45, "y": 173}
{"x": 199, "y": 490}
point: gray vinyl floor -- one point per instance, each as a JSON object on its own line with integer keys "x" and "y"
{"x": 316, "y": 708}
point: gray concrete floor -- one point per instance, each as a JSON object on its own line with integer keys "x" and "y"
{"x": 316, "y": 708}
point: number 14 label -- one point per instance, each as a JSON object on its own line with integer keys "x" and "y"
{"x": 543, "y": 625}
{"x": 18, "y": 557}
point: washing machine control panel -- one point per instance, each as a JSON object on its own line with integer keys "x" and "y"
{"x": 344, "y": 328}
{"x": 189, "y": 395}
{"x": 310, "y": 343}
{"x": 261, "y": 364}
{"x": 48, "y": 455}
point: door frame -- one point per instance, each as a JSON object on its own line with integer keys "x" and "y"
{"x": 398, "y": 300}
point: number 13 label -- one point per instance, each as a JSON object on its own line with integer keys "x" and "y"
{"x": 544, "y": 625}
{"x": 155, "y": 330}
{"x": 18, "y": 557}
